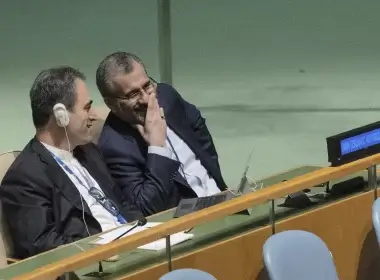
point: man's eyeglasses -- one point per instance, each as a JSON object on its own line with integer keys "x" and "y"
{"x": 135, "y": 95}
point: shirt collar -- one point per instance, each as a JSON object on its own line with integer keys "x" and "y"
{"x": 62, "y": 154}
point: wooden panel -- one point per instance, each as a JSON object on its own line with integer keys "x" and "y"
{"x": 236, "y": 258}
{"x": 345, "y": 226}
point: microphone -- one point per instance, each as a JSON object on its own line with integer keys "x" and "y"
{"x": 141, "y": 222}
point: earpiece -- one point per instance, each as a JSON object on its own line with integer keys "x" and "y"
{"x": 61, "y": 115}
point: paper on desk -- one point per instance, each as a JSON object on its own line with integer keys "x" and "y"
{"x": 111, "y": 235}
{"x": 156, "y": 245}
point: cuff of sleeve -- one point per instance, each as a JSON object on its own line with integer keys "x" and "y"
{"x": 165, "y": 152}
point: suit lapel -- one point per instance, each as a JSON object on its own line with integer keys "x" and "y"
{"x": 177, "y": 121}
{"x": 102, "y": 178}
{"x": 59, "y": 177}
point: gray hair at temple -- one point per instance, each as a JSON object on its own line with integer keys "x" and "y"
{"x": 114, "y": 64}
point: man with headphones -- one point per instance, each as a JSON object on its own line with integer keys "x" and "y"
{"x": 59, "y": 190}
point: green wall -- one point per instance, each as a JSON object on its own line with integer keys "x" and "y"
{"x": 275, "y": 76}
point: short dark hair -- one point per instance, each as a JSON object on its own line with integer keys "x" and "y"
{"x": 52, "y": 86}
{"x": 113, "y": 64}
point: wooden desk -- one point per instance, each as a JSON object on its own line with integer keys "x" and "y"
{"x": 230, "y": 248}
{"x": 344, "y": 225}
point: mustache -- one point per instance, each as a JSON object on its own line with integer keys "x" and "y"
{"x": 141, "y": 109}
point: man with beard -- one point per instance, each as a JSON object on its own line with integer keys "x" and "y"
{"x": 156, "y": 145}
{"x": 59, "y": 190}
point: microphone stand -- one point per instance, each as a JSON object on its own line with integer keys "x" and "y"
{"x": 100, "y": 273}
{"x": 139, "y": 223}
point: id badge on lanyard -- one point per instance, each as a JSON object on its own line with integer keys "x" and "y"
{"x": 119, "y": 217}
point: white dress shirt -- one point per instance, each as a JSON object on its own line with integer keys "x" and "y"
{"x": 106, "y": 219}
{"x": 191, "y": 168}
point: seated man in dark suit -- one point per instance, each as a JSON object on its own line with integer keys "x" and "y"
{"x": 59, "y": 190}
{"x": 156, "y": 145}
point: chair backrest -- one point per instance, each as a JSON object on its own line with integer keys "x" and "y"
{"x": 187, "y": 274}
{"x": 102, "y": 113}
{"x": 6, "y": 159}
{"x": 376, "y": 218}
{"x": 296, "y": 255}
{"x": 3, "y": 251}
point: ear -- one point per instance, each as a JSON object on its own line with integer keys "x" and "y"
{"x": 113, "y": 105}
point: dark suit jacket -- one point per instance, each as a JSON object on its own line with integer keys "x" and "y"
{"x": 42, "y": 206}
{"x": 152, "y": 181}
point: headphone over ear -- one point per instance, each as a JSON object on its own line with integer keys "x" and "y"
{"x": 61, "y": 115}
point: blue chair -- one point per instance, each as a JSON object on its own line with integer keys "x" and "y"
{"x": 376, "y": 218}
{"x": 187, "y": 274}
{"x": 298, "y": 255}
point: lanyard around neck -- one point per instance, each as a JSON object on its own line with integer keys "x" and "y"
{"x": 181, "y": 166}
{"x": 89, "y": 182}
{"x": 177, "y": 157}
{"x": 89, "y": 186}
